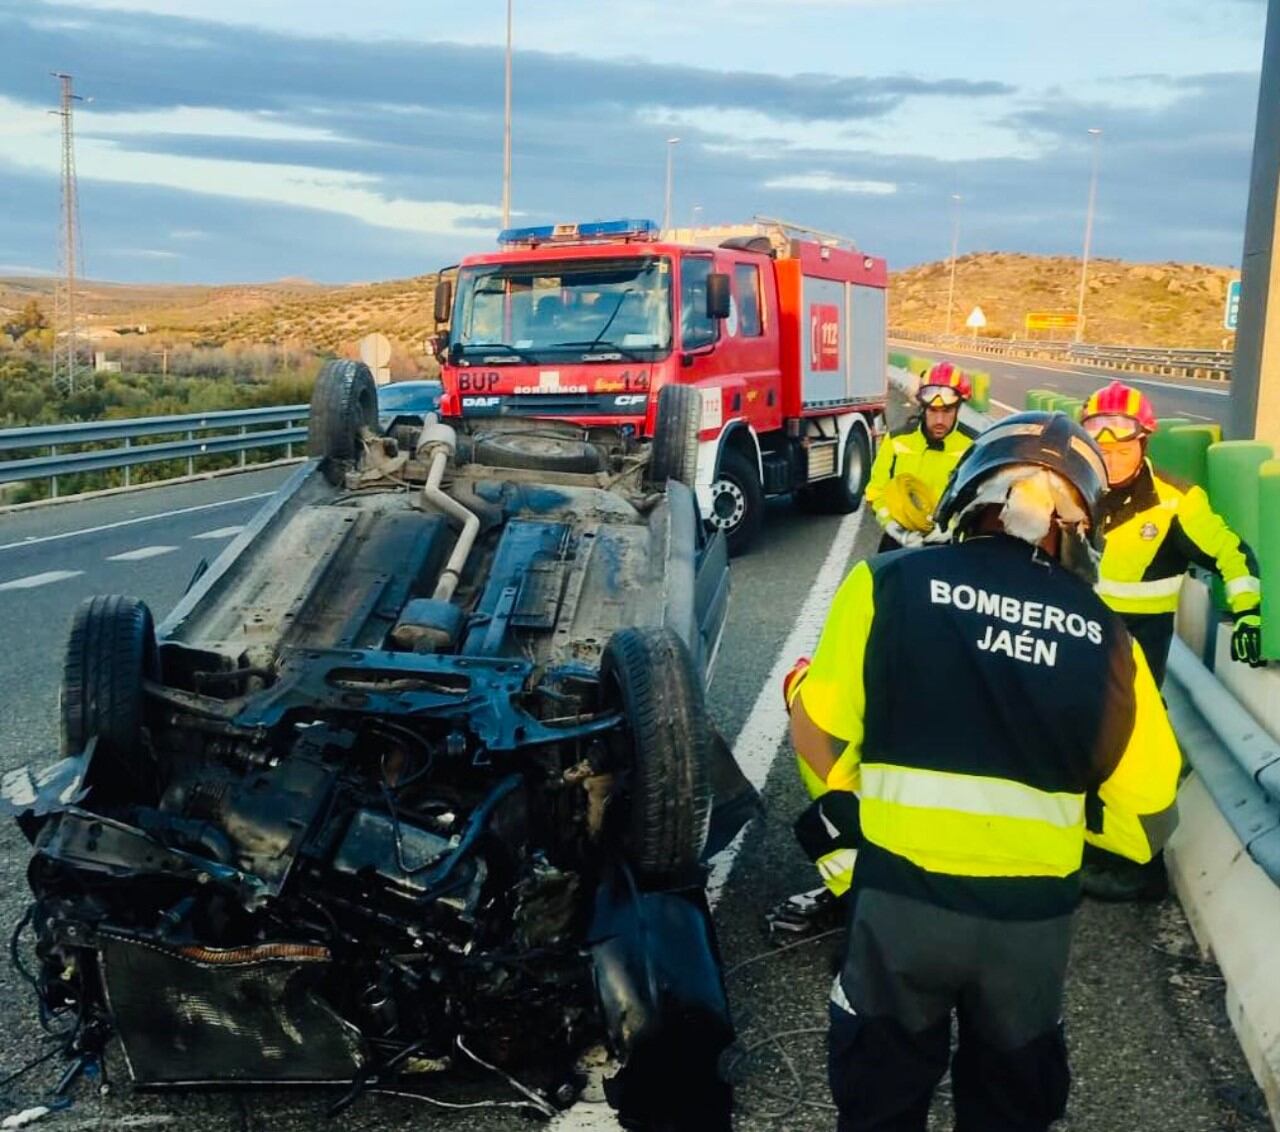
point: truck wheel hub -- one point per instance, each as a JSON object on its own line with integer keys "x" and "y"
{"x": 728, "y": 505}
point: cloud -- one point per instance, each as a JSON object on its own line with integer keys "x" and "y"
{"x": 827, "y": 183}
{"x": 141, "y": 253}
{"x": 337, "y": 158}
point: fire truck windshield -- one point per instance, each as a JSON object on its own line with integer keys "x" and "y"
{"x": 558, "y": 309}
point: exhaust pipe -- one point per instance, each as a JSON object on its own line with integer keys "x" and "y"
{"x": 437, "y": 443}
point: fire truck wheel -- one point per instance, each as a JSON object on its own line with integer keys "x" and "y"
{"x": 344, "y": 402}
{"x": 674, "y": 452}
{"x": 667, "y": 810}
{"x": 842, "y": 495}
{"x": 737, "y": 501}
{"x": 537, "y": 452}
{"x": 110, "y": 651}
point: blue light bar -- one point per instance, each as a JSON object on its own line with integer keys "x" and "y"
{"x": 625, "y": 229}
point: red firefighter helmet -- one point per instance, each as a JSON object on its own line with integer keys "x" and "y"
{"x": 944, "y": 385}
{"x": 1118, "y": 412}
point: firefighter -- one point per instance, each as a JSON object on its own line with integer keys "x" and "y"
{"x": 984, "y": 714}
{"x": 913, "y": 465}
{"x": 1153, "y": 532}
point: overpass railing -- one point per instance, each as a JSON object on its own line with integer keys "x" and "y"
{"x": 102, "y": 446}
{"x": 1212, "y": 364}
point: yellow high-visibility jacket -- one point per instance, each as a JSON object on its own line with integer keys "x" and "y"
{"x": 910, "y": 451}
{"x": 995, "y": 715}
{"x": 1154, "y": 532}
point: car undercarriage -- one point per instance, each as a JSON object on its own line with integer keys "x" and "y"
{"x": 417, "y": 776}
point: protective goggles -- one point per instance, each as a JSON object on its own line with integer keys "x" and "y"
{"x": 1113, "y": 428}
{"x": 938, "y": 396}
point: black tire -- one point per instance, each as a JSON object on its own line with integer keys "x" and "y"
{"x": 673, "y": 454}
{"x": 737, "y": 501}
{"x": 536, "y": 451}
{"x": 668, "y": 805}
{"x": 111, "y": 649}
{"x": 343, "y": 403}
{"x": 843, "y": 494}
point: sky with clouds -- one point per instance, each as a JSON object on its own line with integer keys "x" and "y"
{"x": 257, "y": 139}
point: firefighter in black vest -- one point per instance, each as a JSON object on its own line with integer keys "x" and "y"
{"x": 1043, "y": 729}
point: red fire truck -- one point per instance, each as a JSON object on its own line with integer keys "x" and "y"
{"x": 751, "y": 359}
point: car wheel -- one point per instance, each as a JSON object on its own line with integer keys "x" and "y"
{"x": 648, "y": 672}
{"x": 110, "y": 651}
{"x": 344, "y": 403}
{"x": 737, "y": 502}
{"x": 537, "y": 452}
{"x": 673, "y": 454}
{"x": 843, "y": 494}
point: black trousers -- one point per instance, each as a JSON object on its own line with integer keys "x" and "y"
{"x": 911, "y": 967}
{"x": 1154, "y": 634}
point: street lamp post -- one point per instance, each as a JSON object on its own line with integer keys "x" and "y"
{"x": 955, "y": 244}
{"x": 1096, "y": 134}
{"x": 506, "y": 132}
{"x": 666, "y": 212}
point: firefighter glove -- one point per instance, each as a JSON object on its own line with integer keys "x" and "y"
{"x": 1246, "y": 640}
{"x": 901, "y": 535}
{"x": 792, "y": 680}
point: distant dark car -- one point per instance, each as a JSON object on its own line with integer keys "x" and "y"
{"x": 407, "y": 399}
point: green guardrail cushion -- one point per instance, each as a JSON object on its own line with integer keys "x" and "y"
{"x": 898, "y": 360}
{"x": 1233, "y": 479}
{"x": 980, "y": 402}
{"x": 1036, "y": 398}
{"x": 1233, "y": 483}
{"x": 1182, "y": 453}
{"x": 1268, "y": 550}
{"x": 1072, "y": 406}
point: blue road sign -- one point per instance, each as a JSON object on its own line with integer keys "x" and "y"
{"x": 1232, "y": 314}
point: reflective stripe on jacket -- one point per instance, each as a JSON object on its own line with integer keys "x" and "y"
{"x": 911, "y": 452}
{"x": 1153, "y": 533}
{"x": 996, "y": 716}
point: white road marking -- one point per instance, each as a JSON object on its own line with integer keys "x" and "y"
{"x": 756, "y": 748}
{"x": 763, "y": 732}
{"x": 131, "y": 522}
{"x": 141, "y": 553}
{"x": 221, "y": 532}
{"x": 1006, "y": 408}
{"x": 32, "y": 580}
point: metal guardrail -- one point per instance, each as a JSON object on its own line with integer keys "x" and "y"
{"x": 1213, "y": 364}
{"x": 203, "y": 434}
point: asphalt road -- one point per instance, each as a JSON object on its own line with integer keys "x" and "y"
{"x": 1199, "y": 400}
{"x": 1151, "y": 1045}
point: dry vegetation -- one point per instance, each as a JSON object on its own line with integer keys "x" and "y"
{"x": 303, "y": 316}
{"x": 1167, "y": 304}
{"x": 1128, "y": 304}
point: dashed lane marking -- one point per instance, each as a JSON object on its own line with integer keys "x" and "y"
{"x": 1005, "y": 407}
{"x": 31, "y": 581}
{"x": 756, "y": 748}
{"x": 36, "y": 541}
{"x": 141, "y": 553}
{"x": 221, "y": 532}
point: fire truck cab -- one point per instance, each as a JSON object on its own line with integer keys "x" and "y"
{"x": 773, "y": 341}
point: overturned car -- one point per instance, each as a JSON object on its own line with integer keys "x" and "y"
{"x": 417, "y": 776}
